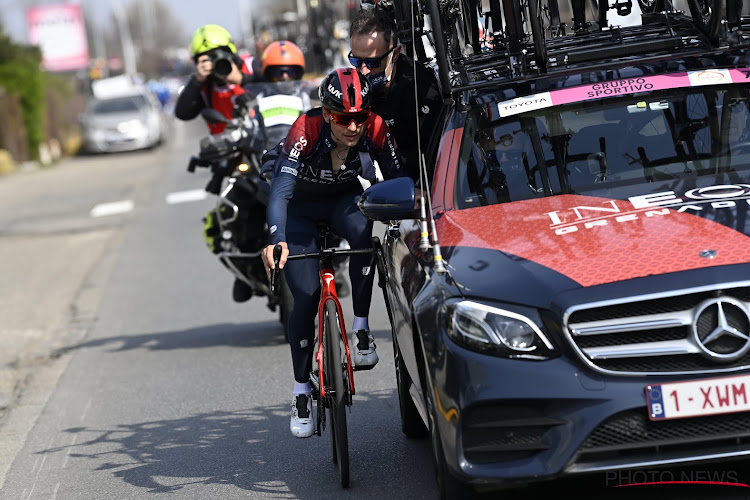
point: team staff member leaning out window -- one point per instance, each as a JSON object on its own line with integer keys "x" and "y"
{"x": 315, "y": 178}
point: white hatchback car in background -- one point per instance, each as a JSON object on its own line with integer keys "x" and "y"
{"x": 123, "y": 122}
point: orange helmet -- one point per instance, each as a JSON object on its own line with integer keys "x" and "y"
{"x": 282, "y": 57}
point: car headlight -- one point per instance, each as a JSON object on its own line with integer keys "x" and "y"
{"x": 500, "y": 332}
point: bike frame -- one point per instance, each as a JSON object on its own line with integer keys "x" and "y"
{"x": 328, "y": 293}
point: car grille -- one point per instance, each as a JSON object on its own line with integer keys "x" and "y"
{"x": 503, "y": 432}
{"x": 655, "y": 334}
{"x": 632, "y": 437}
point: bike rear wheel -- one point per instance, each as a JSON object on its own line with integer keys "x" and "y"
{"x": 707, "y": 15}
{"x": 537, "y": 32}
{"x": 336, "y": 391}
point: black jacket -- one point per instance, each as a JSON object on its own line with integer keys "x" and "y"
{"x": 396, "y": 106}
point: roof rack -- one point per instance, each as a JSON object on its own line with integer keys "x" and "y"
{"x": 465, "y": 66}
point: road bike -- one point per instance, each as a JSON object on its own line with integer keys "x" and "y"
{"x": 332, "y": 376}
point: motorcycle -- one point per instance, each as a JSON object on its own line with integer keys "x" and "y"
{"x": 236, "y": 230}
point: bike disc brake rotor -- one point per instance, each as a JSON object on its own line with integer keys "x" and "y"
{"x": 321, "y": 416}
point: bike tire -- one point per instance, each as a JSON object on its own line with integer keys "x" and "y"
{"x": 537, "y": 33}
{"x": 707, "y": 15}
{"x": 462, "y": 29}
{"x": 513, "y": 26}
{"x": 334, "y": 375}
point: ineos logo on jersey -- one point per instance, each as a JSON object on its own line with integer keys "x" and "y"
{"x": 365, "y": 90}
{"x": 301, "y": 143}
{"x": 297, "y": 148}
{"x": 325, "y": 176}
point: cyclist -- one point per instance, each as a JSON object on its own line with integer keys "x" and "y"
{"x": 315, "y": 179}
{"x": 375, "y": 52}
{"x": 283, "y": 65}
{"x": 206, "y": 88}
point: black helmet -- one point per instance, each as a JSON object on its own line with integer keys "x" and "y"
{"x": 346, "y": 90}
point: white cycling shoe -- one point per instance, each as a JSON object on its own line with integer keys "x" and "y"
{"x": 301, "y": 424}
{"x": 363, "y": 345}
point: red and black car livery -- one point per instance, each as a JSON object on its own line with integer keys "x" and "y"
{"x": 595, "y": 312}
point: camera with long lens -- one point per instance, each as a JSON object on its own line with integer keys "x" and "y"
{"x": 222, "y": 61}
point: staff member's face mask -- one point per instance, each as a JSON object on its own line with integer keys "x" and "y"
{"x": 371, "y": 59}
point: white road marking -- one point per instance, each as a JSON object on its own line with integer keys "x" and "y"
{"x": 114, "y": 208}
{"x": 185, "y": 196}
{"x": 70, "y": 449}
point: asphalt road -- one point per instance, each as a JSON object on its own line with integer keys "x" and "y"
{"x": 130, "y": 373}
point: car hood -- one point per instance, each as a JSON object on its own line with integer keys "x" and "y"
{"x": 573, "y": 241}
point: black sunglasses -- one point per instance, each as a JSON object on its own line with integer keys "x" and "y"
{"x": 275, "y": 73}
{"x": 370, "y": 62}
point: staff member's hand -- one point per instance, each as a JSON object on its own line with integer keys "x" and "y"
{"x": 268, "y": 257}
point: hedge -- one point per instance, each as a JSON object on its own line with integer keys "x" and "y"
{"x": 21, "y": 74}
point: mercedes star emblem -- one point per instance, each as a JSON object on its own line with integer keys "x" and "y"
{"x": 721, "y": 329}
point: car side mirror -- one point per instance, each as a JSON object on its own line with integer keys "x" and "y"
{"x": 389, "y": 200}
{"x": 212, "y": 115}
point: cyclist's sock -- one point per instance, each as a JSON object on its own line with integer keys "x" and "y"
{"x": 302, "y": 388}
{"x": 360, "y": 323}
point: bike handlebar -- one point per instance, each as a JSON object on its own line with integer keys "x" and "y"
{"x": 320, "y": 254}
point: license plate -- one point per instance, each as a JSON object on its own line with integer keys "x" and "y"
{"x": 697, "y": 398}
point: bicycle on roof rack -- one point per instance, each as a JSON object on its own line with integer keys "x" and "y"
{"x": 481, "y": 40}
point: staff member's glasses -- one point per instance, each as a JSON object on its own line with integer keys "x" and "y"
{"x": 370, "y": 62}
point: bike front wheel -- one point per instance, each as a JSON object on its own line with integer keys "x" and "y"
{"x": 336, "y": 391}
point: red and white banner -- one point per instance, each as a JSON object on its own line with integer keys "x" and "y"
{"x": 59, "y": 32}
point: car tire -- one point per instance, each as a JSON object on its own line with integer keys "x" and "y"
{"x": 412, "y": 424}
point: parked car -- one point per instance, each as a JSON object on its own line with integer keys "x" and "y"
{"x": 122, "y": 122}
{"x": 589, "y": 310}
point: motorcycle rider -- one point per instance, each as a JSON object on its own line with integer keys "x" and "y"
{"x": 285, "y": 96}
{"x": 315, "y": 178}
{"x": 212, "y": 43}
{"x": 375, "y": 52}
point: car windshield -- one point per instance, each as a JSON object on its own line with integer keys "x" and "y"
{"x": 119, "y": 104}
{"x": 589, "y": 146}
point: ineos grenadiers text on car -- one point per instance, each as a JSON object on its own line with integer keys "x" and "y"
{"x": 584, "y": 303}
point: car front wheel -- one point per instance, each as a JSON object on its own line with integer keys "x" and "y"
{"x": 411, "y": 421}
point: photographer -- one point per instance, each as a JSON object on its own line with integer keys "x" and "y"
{"x": 219, "y": 75}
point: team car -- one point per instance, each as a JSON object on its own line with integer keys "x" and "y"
{"x": 583, "y": 302}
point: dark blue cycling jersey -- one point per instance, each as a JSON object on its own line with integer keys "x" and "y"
{"x": 303, "y": 168}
